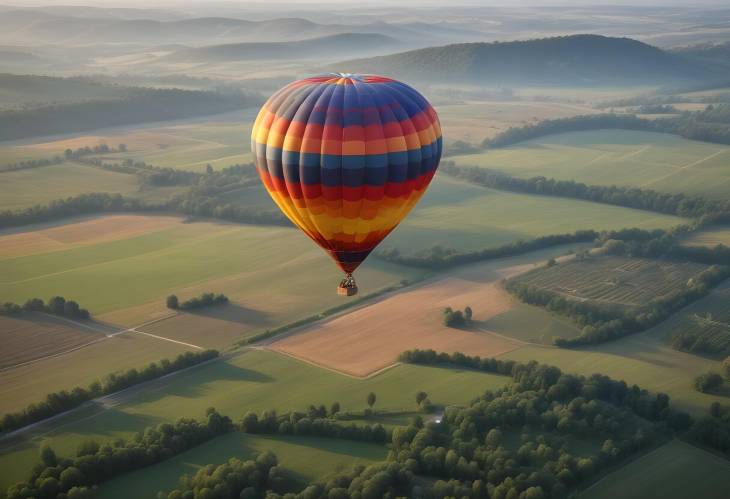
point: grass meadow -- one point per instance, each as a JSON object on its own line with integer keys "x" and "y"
{"x": 648, "y": 160}
{"x": 675, "y": 470}
{"x": 25, "y": 188}
{"x": 252, "y": 380}
{"x": 711, "y": 236}
{"x": 306, "y": 459}
{"x": 273, "y": 275}
{"x": 455, "y": 214}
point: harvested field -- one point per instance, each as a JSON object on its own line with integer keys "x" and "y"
{"x": 617, "y": 280}
{"x": 370, "y": 338}
{"x": 34, "y": 336}
{"x": 83, "y": 232}
{"x": 27, "y": 384}
{"x": 213, "y": 327}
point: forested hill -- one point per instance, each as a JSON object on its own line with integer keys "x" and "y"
{"x": 137, "y": 105}
{"x": 333, "y": 46}
{"x": 577, "y": 59}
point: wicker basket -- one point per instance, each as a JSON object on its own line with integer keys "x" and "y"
{"x": 347, "y": 290}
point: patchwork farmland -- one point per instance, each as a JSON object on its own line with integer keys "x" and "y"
{"x": 617, "y": 280}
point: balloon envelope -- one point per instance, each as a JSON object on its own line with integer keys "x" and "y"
{"x": 346, "y": 157}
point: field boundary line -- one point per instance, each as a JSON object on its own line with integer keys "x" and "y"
{"x": 145, "y": 324}
{"x": 133, "y": 330}
{"x": 685, "y": 167}
{"x": 634, "y": 153}
{"x": 371, "y": 374}
{"x": 105, "y": 337}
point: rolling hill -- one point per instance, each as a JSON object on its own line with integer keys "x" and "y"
{"x": 35, "y": 27}
{"x": 576, "y": 59}
{"x": 715, "y": 53}
{"x": 332, "y": 46}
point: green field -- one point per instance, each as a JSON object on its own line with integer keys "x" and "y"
{"x": 221, "y": 140}
{"x": 531, "y": 324}
{"x": 711, "y": 236}
{"x": 616, "y": 157}
{"x": 253, "y": 380}
{"x": 675, "y": 470}
{"x": 24, "y": 188}
{"x": 307, "y": 459}
{"x": 454, "y": 214}
{"x": 273, "y": 274}
{"x": 628, "y": 282}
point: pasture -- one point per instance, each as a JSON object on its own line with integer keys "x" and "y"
{"x": 675, "y": 470}
{"x": 662, "y": 162}
{"x": 710, "y": 236}
{"x": 622, "y": 281}
{"x": 306, "y": 459}
{"x": 370, "y": 338}
{"x": 455, "y": 214}
{"x": 292, "y": 277}
{"x": 473, "y": 121}
{"x": 251, "y": 380}
{"x": 25, "y": 188}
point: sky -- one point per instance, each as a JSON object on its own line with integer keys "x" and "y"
{"x": 403, "y": 3}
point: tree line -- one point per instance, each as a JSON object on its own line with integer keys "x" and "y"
{"x": 57, "y": 305}
{"x": 98, "y": 203}
{"x": 65, "y": 400}
{"x": 69, "y": 478}
{"x": 95, "y": 463}
{"x": 438, "y": 257}
{"x": 204, "y": 300}
{"x": 630, "y": 197}
{"x": 688, "y": 125}
{"x": 137, "y": 106}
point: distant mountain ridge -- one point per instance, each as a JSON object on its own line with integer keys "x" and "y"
{"x": 332, "y": 46}
{"x": 715, "y": 53}
{"x": 37, "y": 27}
{"x": 575, "y": 59}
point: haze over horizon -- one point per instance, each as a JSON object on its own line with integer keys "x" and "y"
{"x": 495, "y": 266}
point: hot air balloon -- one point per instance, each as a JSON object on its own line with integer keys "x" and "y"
{"x": 346, "y": 157}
